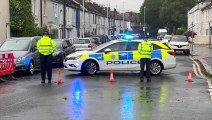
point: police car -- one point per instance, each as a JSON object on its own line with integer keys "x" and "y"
{"x": 120, "y": 55}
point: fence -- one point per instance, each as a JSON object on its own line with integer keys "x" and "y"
{"x": 7, "y": 66}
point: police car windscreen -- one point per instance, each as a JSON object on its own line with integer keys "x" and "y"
{"x": 15, "y": 45}
{"x": 82, "y": 41}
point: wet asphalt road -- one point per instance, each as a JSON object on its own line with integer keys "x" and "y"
{"x": 167, "y": 97}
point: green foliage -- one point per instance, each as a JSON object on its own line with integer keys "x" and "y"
{"x": 54, "y": 33}
{"x": 87, "y": 34}
{"x": 166, "y": 13}
{"x": 181, "y": 30}
{"x": 174, "y": 13}
{"x": 21, "y": 18}
{"x": 152, "y": 12}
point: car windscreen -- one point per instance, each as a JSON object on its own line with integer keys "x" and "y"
{"x": 81, "y": 41}
{"x": 179, "y": 39}
{"x": 15, "y": 45}
{"x": 167, "y": 37}
{"x": 102, "y": 45}
{"x": 59, "y": 43}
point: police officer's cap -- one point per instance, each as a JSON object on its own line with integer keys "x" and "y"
{"x": 146, "y": 37}
{"x": 45, "y": 33}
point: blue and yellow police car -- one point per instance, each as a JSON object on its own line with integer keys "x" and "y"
{"x": 120, "y": 55}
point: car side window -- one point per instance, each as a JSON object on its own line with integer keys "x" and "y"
{"x": 68, "y": 42}
{"x": 156, "y": 47}
{"x": 120, "y": 46}
{"x": 65, "y": 45}
{"x": 34, "y": 44}
{"x": 133, "y": 46}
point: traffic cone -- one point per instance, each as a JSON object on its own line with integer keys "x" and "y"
{"x": 59, "y": 81}
{"x": 190, "y": 76}
{"x": 111, "y": 76}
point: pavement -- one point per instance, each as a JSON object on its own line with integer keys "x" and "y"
{"x": 203, "y": 53}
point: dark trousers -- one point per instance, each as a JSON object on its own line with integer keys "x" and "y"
{"x": 143, "y": 62}
{"x": 46, "y": 66}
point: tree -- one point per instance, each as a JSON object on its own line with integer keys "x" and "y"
{"x": 170, "y": 14}
{"x": 22, "y": 20}
{"x": 152, "y": 12}
{"x": 174, "y": 12}
{"x": 181, "y": 30}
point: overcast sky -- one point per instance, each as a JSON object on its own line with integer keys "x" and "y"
{"x": 129, "y": 5}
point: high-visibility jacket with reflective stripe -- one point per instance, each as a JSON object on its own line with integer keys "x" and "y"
{"x": 46, "y": 45}
{"x": 145, "y": 49}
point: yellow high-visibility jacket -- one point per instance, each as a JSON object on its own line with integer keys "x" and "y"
{"x": 145, "y": 48}
{"x": 46, "y": 45}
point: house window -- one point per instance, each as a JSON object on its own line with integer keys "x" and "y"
{"x": 35, "y": 7}
{"x": 44, "y": 7}
{"x": 56, "y": 10}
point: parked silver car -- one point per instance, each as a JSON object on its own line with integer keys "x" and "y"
{"x": 25, "y": 53}
{"x": 84, "y": 44}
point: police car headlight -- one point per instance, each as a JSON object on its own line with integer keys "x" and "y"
{"x": 73, "y": 58}
{"x": 20, "y": 59}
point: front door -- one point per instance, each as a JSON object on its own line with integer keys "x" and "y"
{"x": 116, "y": 59}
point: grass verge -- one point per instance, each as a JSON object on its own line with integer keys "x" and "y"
{"x": 203, "y": 70}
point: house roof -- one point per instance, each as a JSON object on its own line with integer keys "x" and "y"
{"x": 69, "y": 3}
{"x": 209, "y": 6}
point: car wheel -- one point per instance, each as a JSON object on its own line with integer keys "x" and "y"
{"x": 90, "y": 68}
{"x": 31, "y": 68}
{"x": 155, "y": 68}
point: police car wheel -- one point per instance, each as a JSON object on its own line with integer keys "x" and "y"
{"x": 90, "y": 68}
{"x": 31, "y": 68}
{"x": 155, "y": 68}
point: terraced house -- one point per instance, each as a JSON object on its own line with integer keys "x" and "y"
{"x": 5, "y": 20}
{"x": 97, "y": 20}
{"x": 200, "y": 20}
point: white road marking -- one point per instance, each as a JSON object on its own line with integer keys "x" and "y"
{"x": 197, "y": 68}
{"x": 195, "y": 71}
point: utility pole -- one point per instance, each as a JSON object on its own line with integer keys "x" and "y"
{"x": 83, "y": 17}
{"x": 123, "y": 16}
{"x": 64, "y": 18}
{"x": 192, "y": 35}
{"x": 210, "y": 33}
{"x": 144, "y": 20}
{"x": 107, "y": 25}
{"x": 41, "y": 13}
{"x": 114, "y": 23}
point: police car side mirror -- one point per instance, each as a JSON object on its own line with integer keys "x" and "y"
{"x": 107, "y": 50}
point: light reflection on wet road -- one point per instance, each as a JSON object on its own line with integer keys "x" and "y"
{"x": 167, "y": 97}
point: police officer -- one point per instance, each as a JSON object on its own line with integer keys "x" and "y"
{"x": 46, "y": 47}
{"x": 145, "y": 49}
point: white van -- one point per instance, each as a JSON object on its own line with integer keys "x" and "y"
{"x": 161, "y": 33}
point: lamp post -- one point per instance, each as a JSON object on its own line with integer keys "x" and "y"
{"x": 123, "y": 16}
{"x": 144, "y": 20}
{"x": 210, "y": 32}
{"x": 41, "y": 13}
{"x": 64, "y": 18}
{"x": 107, "y": 22}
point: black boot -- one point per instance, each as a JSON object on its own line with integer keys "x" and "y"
{"x": 141, "y": 79}
{"x": 148, "y": 80}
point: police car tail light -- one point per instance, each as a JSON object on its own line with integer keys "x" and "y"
{"x": 89, "y": 46}
{"x": 172, "y": 53}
